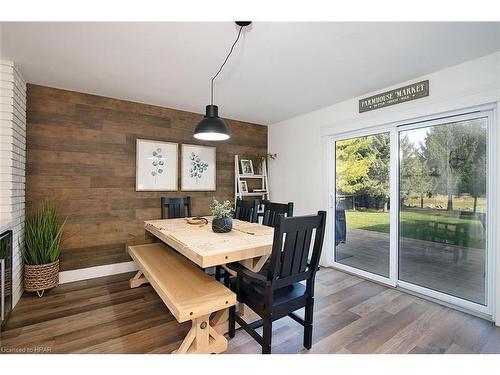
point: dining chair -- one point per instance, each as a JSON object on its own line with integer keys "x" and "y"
{"x": 278, "y": 291}
{"x": 270, "y": 215}
{"x": 172, "y": 208}
{"x": 272, "y": 210}
{"x": 247, "y": 210}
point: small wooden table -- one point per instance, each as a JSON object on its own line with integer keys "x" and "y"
{"x": 248, "y": 243}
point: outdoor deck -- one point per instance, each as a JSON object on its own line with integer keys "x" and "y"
{"x": 425, "y": 263}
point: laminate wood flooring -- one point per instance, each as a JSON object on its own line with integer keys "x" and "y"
{"x": 352, "y": 315}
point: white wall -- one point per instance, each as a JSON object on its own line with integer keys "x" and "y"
{"x": 12, "y": 164}
{"x": 301, "y": 170}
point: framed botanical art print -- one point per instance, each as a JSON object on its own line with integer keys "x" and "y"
{"x": 198, "y": 168}
{"x": 156, "y": 166}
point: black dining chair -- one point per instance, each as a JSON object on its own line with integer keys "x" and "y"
{"x": 172, "y": 208}
{"x": 270, "y": 215}
{"x": 272, "y": 210}
{"x": 278, "y": 291}
{"x": 247, "y": 210}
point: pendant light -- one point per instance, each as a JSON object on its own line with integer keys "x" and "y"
{"x": 212, "y": 127}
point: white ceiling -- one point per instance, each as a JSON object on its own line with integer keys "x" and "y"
{"x": 277, "y": 71}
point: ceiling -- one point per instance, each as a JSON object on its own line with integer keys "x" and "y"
{"x": 278, "y": 69}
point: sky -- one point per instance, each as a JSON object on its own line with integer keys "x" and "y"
{"x": 416, "y": 136}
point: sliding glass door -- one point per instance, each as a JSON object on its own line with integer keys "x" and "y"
{"x": 362, "y": 203}
{"x": 442, "y": 213}
{"x": 433, "y": 238}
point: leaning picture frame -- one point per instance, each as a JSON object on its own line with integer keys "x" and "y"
{"x": 243, "y": 187}
{"x": 246, "y": 167}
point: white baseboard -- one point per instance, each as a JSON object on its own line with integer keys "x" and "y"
{"x": 98, "y": 271}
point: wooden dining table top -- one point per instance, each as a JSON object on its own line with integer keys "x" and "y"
{"x": 248, "y": 243}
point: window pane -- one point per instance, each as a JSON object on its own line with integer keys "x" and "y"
{"x": 362, "y": 203}
{"x": 442, "y": 220}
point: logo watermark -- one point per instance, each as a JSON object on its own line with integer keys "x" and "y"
{"x": 26, "y": 350}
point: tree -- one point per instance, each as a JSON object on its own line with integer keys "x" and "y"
{"x": 468, "y": 160}
{"x": 414, "y": 174}
{"x": 362, "y": 166}
{"x": 455, "y": 153}
{"x": 439, "y": 144}
{"x": 353, "y": 159}
{"x": 377, "y": 183}
{"x": 449, "y": 159}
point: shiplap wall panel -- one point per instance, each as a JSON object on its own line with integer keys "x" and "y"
{"x": 81, "y": 154}
{"x": 12, "y": 163}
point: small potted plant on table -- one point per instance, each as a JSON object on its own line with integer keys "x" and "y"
{"x": 42, "y": 248}
{"x": 222, "y": 221}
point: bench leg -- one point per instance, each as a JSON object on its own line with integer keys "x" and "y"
{"x": 138, "y": 280}
{"x": 202, "y": 339}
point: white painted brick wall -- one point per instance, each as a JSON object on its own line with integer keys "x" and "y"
{"x": 13, "y": 163}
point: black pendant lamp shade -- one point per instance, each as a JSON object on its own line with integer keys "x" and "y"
{"x": 212, "y": 127}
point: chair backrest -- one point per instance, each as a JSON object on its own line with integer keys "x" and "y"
{"x": 247, "y": 210}
{"x": 172, "y": 208}
{"x": 272, "y": 210}
{"x": 291, "y": 246}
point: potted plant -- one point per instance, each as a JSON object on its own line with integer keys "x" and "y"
{"x": 222, "y": 221}
{"x": 42, "y": 248}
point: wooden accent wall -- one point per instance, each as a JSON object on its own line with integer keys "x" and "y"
{"x": 81, "y": 155}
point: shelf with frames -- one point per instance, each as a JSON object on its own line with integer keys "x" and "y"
{"x": 238, "y": 177}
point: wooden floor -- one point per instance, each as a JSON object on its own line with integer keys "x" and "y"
{"x": 352, "y": 315}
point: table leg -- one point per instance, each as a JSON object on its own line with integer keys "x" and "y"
{"x": 202, "y": 339}
{"x": 220, "y": 321}
{"x": 255, "y": 264}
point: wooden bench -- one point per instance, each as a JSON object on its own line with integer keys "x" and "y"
{"x": 188, "y": 292}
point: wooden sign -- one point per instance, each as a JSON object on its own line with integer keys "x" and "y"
{"x": 396, "y": 96}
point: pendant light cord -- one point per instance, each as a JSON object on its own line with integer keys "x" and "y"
{"x": 220, "y": 69}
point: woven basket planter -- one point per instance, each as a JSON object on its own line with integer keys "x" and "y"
{"x": 41, "y": 277}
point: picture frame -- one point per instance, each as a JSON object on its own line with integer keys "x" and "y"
{"x": 156, "y": 166}
{"x": 246, "y": 167}
{"x": 198, "y": 168}
{"x": 243, "y": 187}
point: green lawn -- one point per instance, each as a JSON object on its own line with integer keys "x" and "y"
{"x": 430, "y": 226}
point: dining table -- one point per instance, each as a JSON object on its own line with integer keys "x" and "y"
{"x": 250, "y": 244}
